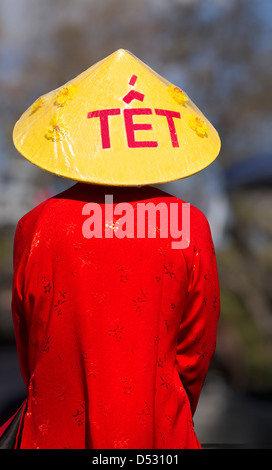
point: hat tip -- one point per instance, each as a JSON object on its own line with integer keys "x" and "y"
{"x": 121, "y": 52}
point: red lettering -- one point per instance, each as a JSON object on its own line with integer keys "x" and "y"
{"x": 104, "y": 114}
{"x": 133, "y": 79}
{"x": 131, "y": 127}
{"x": 133, "y": 95}
{"x": 170, "y": 115}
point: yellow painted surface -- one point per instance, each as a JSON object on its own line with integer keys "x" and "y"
{"x": 114, "y": 125}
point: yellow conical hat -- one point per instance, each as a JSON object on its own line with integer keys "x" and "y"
{"x": 117, "y": 123}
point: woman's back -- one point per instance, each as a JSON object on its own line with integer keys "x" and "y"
{"x": 114, "y": 335}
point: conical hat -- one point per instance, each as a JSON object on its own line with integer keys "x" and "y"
{"x": 117, "y": 123}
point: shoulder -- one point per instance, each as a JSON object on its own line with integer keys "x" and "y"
{"x": 198, "y": 219}
{"x": 45, "y": 210}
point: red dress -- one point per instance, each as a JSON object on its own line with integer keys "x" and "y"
{"x": 114, "y": 336}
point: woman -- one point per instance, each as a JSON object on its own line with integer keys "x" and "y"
{"x": 115, "y": 325}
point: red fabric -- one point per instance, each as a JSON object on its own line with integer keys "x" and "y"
{"x": 114, "y": 336}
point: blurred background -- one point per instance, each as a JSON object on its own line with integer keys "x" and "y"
{"x": 219, "y": 52}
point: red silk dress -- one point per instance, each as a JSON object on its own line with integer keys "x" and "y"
{"x": 114, "y": 335}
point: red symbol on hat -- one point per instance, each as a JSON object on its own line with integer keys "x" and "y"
{"x": 132, "y": 127}
{"x": 133, "y": 94}
{"x": 133, "y": 79}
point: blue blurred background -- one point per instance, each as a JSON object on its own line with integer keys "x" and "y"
{"x": 219, "y": 52}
